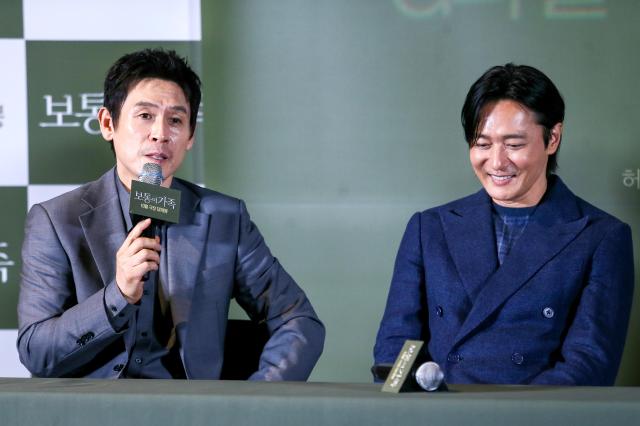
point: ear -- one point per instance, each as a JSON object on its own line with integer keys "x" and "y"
{"x": 107, "y": 128}
{"x": 554, "y": 139}
{"x": 191, "y": 141}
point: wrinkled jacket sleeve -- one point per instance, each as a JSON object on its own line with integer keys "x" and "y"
{"x": 58, "y": 335}
{"x": 267, "y": 292}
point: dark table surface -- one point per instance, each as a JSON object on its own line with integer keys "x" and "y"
{"x": 66, "y": 402}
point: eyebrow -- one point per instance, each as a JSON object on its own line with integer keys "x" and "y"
{"x": 177, "y": 108}
{"x": 507, "y": 136}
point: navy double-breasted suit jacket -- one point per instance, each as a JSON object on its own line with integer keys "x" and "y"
{"x": 555, "y": 312}
{"x": 213, "y": 254}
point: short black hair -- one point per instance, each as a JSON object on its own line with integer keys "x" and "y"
{"x": 520, "y": 83}
{"x": 134, "y": 67}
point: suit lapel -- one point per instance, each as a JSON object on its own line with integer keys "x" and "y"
{"x": 103, "y": 225}
{"x": 104, "y": 229}
{"x": 470, "y": 237}
{"x": 555, "y": 223}
{"x": 185, "y": 247}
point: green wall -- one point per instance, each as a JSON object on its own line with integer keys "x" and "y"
{"x": 336, "y": 120}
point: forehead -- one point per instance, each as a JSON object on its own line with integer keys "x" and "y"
{"x": 156, "y": 91}
{"x": 506, "y": 112}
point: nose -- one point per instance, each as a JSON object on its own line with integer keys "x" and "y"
{"x": 160, "y": 130}
{"x": 498, "y": 157}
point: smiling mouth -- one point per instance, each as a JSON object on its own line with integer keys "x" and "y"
{"x": 501, "y": 178}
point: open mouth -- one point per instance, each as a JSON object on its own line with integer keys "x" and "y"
{"x": 157, "y": 156}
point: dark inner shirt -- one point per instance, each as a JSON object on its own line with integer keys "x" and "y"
{"x": 509, "y": 223}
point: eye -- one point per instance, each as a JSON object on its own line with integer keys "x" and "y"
{"x": 482, "y": 145}
{"x": 144, "y": 115}
{"x": 175, "y": 120}
{"x": 515, "y": 145}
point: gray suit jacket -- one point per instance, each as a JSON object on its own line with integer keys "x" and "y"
{"x": 213, "y": 254}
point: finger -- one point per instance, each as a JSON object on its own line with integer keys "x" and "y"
{"x": 137, "y": 230}
{"x": 143, "y": 243}
{"x": 142, "y": 268}
{"x": 145, "y": 256}
{"x": 136, "y": 271}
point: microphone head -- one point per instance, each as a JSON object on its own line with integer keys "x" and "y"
{"x": 429, "y": 376}
{"x": 151, "y": 173}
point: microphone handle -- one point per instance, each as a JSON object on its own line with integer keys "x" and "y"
{"x": 152, "y": 231}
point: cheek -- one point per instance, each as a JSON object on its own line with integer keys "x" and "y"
{"x": 528, "y": 160}
{"x": 176, "y": 133}
{"x": 476, "y": 158}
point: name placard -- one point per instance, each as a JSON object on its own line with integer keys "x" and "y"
{"x": 402, "y": 368}
{"x": 154, "y": 201}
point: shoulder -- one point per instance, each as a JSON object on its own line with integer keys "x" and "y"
{"x": 209, "y": 201}
{"x": 603, "y": 227}
{"x": 77, "y": 201}
{"x": 475, "y": 199}
{"x": 595, "y": 215}
{"x": 598, "y": 227}
{"x": 458, "y": 206}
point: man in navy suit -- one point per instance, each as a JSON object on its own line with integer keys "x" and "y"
{"x": 85, "y": 308}
{"x": 522, "y": 282}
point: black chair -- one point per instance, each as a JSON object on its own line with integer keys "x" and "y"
{"x": 243, "y": 345}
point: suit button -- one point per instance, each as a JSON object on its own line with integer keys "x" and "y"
{"x": 85, "y": 338}
{"x": 138, "y": 360}
{"x": 548, "y": 312}
{"x": 118, "y": 367}
{"x": 517, "y": 358}
{"x": 454, "y": 358}
{"x": 114, "y": 308}
{"x": 439, "y": 311}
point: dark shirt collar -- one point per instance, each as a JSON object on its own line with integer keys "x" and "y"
{"x": 513, "y": 211}
{"x": 124, "y": 197}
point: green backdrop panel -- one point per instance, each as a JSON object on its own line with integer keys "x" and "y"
{"x": 11, "y": 19}
{"x": 14, "y": 209}
{"x": 336, "y": 120}
{"x": 64, "y": 93}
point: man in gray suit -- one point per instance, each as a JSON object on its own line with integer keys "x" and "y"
{"x": 99, "y": 299}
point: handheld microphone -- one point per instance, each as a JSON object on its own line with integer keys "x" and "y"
{"x": 151, "y": 174}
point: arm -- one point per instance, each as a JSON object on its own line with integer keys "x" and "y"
{"x": 62, "y": 333}
{"x": 57, "y": 335}
{"x": 268, "y": 293}
{"x": 405, "y": 315}
{"x": 593, "y": 346}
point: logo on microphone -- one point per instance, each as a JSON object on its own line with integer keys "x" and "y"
{"x": 154, "y": 201}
